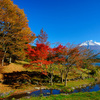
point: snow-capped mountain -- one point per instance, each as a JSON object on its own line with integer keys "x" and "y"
{"x": 95, "y": 46}
{"x": 90, "y": 43}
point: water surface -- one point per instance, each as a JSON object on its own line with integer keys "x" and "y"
{"x": 45, "y": 92}
{"x": 88, "y": 89}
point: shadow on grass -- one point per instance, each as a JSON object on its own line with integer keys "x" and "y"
{"x": 17, "y": 79}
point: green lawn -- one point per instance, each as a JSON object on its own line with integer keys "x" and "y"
{"x": 74, "y": 96}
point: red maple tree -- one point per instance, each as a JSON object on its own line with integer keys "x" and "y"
{"x": 39, "y": 55}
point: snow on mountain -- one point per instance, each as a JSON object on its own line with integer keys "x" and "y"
{"x": 94, "y": 46}
{"x": 90, "y": 43}
{"x": 98, "y": 43}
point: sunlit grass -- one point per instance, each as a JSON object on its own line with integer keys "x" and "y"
{"x": 70, "y": 84}
{"x": 75, "y": 96}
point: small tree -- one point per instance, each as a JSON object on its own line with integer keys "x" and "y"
{"x": 67, "y": 56}
{"x": 39, "y": 55}
{"x": 59, "y": 58}
{"x": 72, "y": 58}
{"x": 87, "y": 56}
{"x": 42, "y": 38}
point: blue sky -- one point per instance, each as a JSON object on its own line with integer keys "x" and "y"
{"x": 73, "y": 21}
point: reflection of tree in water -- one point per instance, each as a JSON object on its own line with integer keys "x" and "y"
{"x": 51, "y": 91}
{"x": 40, "y": 91}
{"x": 99, "y": 86}
{"x": 88, "y": 88}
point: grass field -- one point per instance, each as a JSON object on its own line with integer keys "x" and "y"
{"x": 74, "y": 96}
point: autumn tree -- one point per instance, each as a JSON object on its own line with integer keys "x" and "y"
{"x": 87, "y": 55}
{"x": 55, "y": 56}
{"x": 39, "y": 55}
{"x": 72, "y": 58}
{"x": 51, "y": 67}
{"x": 67, "y": 57}
{"x": 14, "y": 30}
{"x": 42, "y": 38}
{"x": 59, "y": 58}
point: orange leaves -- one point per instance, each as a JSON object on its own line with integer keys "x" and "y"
{"x": 14, "y": 33}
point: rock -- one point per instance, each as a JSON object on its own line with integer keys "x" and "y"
{"x": 11, "y": 91}
{"x": 73, "y": 88}
{"x": 37, "y": 88}
{"x": 76, "y": 87}
{"x": 67, "y": 94}
{"x": 28, "y": 92}
{"x": 89, "y": 84}
{"x": 7, "y": 93}
{"x": 64, "y": 94}
{"x": 83, "y": 78}
{"x": 2, "y": 94}
{"x": 59, "y": 89}
{"x": 84, "y": 85}
{"x": 43, "y": 88}
{"x": 27, "y": 97}
{"x": 48, "y": 93}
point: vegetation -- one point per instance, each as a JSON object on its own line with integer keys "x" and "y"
{"x": 74, "y": 96}
{"x": 14, "y": 31}
{"x": 40, "y": 65}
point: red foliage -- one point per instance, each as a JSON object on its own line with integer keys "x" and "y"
{"x": 27, "y": 65}
{"x": 39, "y": 55}
{"x": 59, "y": 53}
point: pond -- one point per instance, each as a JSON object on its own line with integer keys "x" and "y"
{"x": 46, "y": 92}
{"x": 88, "y": 89}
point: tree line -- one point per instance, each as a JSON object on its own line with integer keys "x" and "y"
{"x": 15, "y": 39}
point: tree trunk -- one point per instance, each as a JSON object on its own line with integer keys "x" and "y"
{"x": 51, "y": 91}
{"x": 10, "y": 60}
{"x": 51, "y": 79}
{"x": 61, "y": 77}
{"x": 3, "y": 58}
{"x": 66, "y": 80}
{"x": 2, "y": 61}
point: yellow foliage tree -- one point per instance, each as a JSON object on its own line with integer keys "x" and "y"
{"x": 14, "y": 30}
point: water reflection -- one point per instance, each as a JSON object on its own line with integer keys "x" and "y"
{"x": 88, "y": 89}
{"x": 45, "y": 92}
{"x": 54, "y": 91}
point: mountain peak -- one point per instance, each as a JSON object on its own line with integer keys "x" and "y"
{"x": 90, "y": 43}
